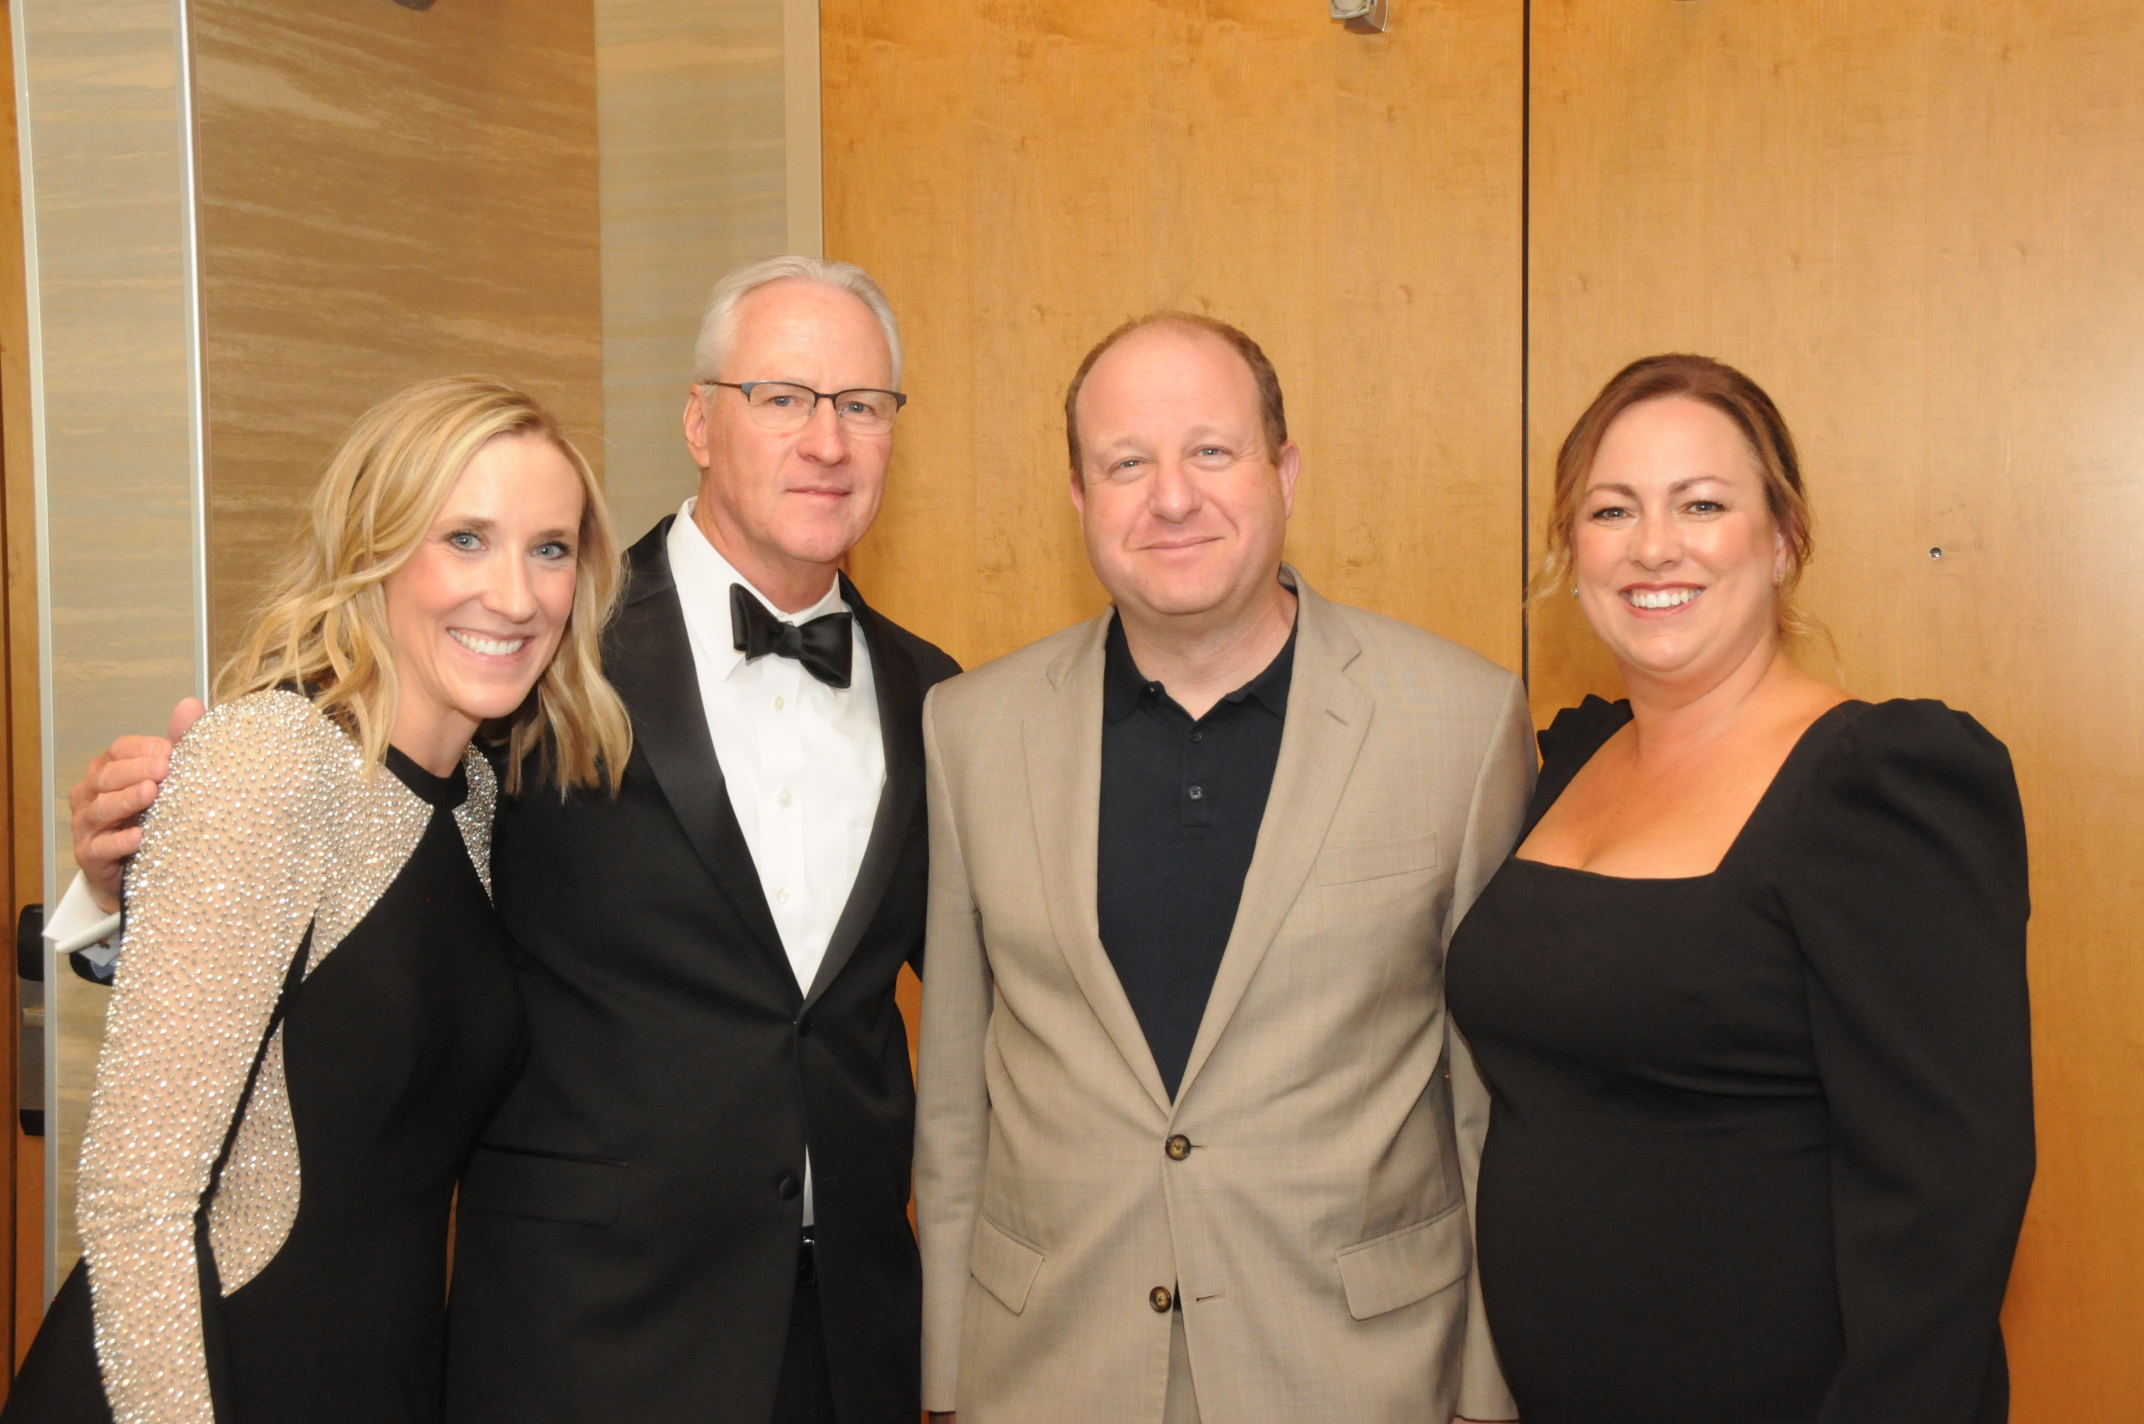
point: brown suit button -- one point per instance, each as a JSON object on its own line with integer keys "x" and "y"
{"x": 788, "y": 1188}
{"x": 1160, "y": 1299}
{"x": 1178, "y": 1147}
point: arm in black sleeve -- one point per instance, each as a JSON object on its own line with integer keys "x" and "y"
{"x": 933, "y": 665}
{"x": 1908, "y": 896}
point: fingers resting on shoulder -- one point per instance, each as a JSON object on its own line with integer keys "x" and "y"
{"x": 107, "y": 803}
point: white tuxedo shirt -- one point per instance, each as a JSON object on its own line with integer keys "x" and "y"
{"x": 804, "y": 763}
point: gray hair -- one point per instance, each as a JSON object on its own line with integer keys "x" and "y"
{"x": 718, "y": 326}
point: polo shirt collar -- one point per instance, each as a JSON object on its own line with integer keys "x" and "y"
{"x": 1123, "y": 684}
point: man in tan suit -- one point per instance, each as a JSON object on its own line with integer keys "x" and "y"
{"x": 1195, "y": 1140}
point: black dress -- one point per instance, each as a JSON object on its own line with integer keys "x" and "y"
{"x": 322, "y": 1296}
{"x": 396, "y": 1049}
{"x": 1761, "y": 1139}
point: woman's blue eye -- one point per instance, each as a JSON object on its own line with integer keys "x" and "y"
{"x": 463, "y": 539}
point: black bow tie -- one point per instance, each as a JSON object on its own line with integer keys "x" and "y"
{"x": 824, "y": 645}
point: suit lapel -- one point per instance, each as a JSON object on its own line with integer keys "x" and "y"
{"x": 1328, "y": 716}
{"x": 650, "y": 662}
{"x": 900, "y": 723}
{"x": 1062, "y": 742}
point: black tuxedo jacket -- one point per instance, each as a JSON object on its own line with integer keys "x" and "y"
{"x": 627, "y": 1235}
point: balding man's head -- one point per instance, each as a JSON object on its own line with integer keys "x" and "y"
{"x": 1183, "y": 473}
{"x": 1272, "y": 415}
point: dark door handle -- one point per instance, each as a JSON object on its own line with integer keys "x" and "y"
{"x": 30, "y": 977}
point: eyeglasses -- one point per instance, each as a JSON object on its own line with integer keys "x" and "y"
{"x": 780, "y": 405}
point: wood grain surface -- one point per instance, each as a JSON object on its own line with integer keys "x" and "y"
{"x": 386, "y": 195}
{"x": 1918, "y": 225}
{"x": 1024, "y": 176}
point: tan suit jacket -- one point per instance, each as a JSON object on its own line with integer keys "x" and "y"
{"x": 1319, "y": 1229}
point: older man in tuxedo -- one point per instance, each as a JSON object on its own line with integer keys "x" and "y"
{"x": 693, "y": 1204}
{"x": 1195, "y": 1138}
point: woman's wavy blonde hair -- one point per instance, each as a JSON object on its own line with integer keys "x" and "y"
{"x": 1732, "y": 394}
{"x": 323, "y": 625}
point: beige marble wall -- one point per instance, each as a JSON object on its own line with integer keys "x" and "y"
{"x": 97, "y": 82}
{"x": 386, "y": 195}
{"x": 383, "y": 195}
{"x": 542, "y": 189}
{"x": 695, "y": 141}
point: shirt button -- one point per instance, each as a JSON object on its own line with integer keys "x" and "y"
{"x": 1160, "y": 1299}
{"x": 777, "y": 704}
{"x": 784, "y": 798}
{"x": 1198, "y": 793}
{"x": 1178, "y": 1147}
{"x": 1198, "y": 736}
{"x": 781, "y": 897}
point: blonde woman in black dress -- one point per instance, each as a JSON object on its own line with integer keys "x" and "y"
{"x": 314, "y": 1012}
{"x": 1750, "y": 995}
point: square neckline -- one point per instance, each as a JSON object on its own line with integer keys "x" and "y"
{"x": 1795, "y": 754}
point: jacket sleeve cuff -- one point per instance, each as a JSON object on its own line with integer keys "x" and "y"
{"x": 1486, "y": 1401}
{"x": 1483, "y": 1394}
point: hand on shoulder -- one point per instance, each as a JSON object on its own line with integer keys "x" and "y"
{"x": 107, "y": 804}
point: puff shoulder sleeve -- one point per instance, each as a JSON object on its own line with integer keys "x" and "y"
{"x": 1906, "y": 889}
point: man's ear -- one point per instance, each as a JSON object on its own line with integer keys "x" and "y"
{"x": 696, "y": 428}
{"x": 1079, "y": 495}
{"x": 1290, "y": 465}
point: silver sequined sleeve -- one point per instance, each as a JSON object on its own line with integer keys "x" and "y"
{"x": 228, "y": 876}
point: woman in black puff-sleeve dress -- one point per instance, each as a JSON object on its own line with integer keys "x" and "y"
{"x": 1761, "y": 1137}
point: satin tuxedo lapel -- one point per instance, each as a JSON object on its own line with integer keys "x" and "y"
{"x": 654, "y": 674}
{"x": 900, "y": 720}
{"x": 1328, "y": 716}
{"x": 1063, "y": 747}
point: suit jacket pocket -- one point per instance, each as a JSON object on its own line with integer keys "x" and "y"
{"x": 1003, "y": 1264}
{"x": 549, "y": 1186}
{"x": 1411, "y": 1264}
{"x": 1349, "y": 861}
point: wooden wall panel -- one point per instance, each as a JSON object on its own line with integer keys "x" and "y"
{"x": 1918, "y": 225}
{"x": 1024, "y": 176}
{"x": 386, "y": 195}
